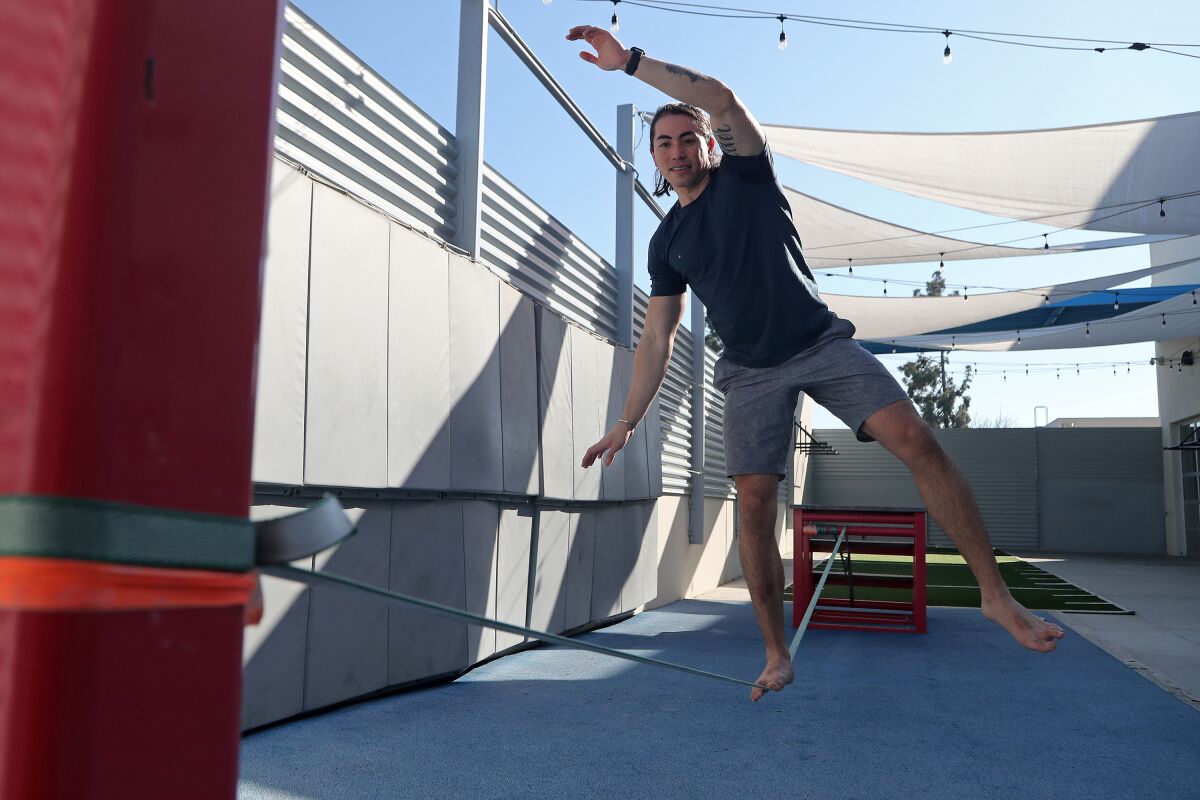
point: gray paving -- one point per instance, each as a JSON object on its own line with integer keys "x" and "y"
{"x": 1161, "y": 639}
{"x": 960, "y": 712}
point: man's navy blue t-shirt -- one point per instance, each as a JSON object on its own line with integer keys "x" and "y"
{"x": 737, "y": 247}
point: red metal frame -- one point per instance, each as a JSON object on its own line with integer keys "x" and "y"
{"x": 869, "y": 531}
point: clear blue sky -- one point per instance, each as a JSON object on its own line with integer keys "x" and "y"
{"x": 829, "y": 78}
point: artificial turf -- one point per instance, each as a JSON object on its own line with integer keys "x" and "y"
{"x": 949, "y": 582}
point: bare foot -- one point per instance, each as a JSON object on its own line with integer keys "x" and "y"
{"x": 777, "y": 675}
{"x": 1030, "y": 630}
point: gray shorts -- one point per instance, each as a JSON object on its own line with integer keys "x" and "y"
{"x": 760, "y": 403}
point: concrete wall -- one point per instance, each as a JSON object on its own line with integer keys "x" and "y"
{"x": 1178, "y": 392}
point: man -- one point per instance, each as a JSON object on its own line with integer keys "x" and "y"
{"x": 731, "y": 237}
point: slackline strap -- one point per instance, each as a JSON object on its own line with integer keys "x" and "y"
{"x": 99, "y": 530}
{"x": 305, "y": 576}
{"x": 812, "y": 604}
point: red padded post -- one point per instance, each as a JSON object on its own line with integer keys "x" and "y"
{"x": 135, "y": 146}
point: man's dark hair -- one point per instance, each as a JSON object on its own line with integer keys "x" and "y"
{"x": 661, "y": 187}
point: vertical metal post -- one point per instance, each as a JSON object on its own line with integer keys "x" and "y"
{"x": 468, "y": 126}
{"x": 696, "y": 490}
{"x": 626, "y": 127}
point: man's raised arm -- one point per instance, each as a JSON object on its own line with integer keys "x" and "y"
{"x": 736, "y": 130}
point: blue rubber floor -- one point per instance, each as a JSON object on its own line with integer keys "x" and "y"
{"x": 961, "y": 712}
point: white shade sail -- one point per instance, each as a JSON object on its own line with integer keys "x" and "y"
{"x": 1092, "y": 176}
{"x": 1176, "y": 318}
{"x": 833, "y": 235}
{"x": 889, "y": 318}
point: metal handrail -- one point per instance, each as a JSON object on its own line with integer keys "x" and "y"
{"x": 531, "y": 61}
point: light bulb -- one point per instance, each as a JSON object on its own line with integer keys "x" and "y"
{"x": 947, "y": 57}
{"x": 782, "y": 40}
{"x": 615, "y": 26}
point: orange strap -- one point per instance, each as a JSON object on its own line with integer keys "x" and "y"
{"x": 51, "y": 584}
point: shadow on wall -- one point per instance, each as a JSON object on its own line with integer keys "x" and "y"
{"x": 383, "y": 402}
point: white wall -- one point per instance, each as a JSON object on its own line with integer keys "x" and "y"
{"x": 1178, "y": 392}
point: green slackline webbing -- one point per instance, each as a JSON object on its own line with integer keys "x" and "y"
{"x": 97, "y": 530}
{"x": 305, "y": 576}
{"x": 812, "y": 604}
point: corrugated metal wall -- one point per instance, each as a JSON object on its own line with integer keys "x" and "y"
{"x": 1101, "y": 490}
{"x": 1000, "y": 465}
{"x": 1069, "y": 490}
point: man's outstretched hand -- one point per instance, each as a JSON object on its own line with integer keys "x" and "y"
{"x": 613, "y": 441}
{"x": 610, "y": 54}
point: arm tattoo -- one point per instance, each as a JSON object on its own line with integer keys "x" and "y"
{"x": 724, "y": 135}
{"x": 685, "y": 72}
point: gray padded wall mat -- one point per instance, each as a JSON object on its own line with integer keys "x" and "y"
{"x": 283, "y": 332}
{"x": 427, "y": 561}
{"x": 418, "y": 363}
{"x": 633, "y": 531}
{"x": 648, "y": 555}
{"x": 580, "y": 562}
{"x": 480, "y": 520}
{"x": 654, "y": 436}
{"x": 552, "y": 548}
{"x": 555, "y": 400}
{"x": 475, "y": 438}
{"x": 347, "y": 633}
{"x": 611, "y": 400}
{"x": 610, "y": 570}
{"x": 273, "y": 650}
{"x": 512, "y": 570}
{"x": 637, "y": 479}
{"x": 519, "y": 392}
{"x": 346, "y": 426}
{"x": 586, "y": 419}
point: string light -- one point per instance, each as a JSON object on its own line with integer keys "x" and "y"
{"x": 615, "y": 26}
{"x": 1070, "y": 42}
{"x": 1116, "y": 301}
{"x": 941, "y": 260}
{"x": 1087, "y": 329}
{"x": 1164, "y": 316}
{"x": 965, "y": 293}
{"x": 1045, "y": 241}
{"x": 782, "y": 34}
{"x": 850, "y": 261}
{"x": 1018, "y": 337}
{"x": 885, "y": 288}
{"x": 1193, "y": 297}
{"x": 952, "y": 343}
{"x": 1161, "y": 211}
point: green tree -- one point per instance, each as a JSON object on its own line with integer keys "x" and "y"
{"x": 942, "y": 401}
{"x": 711, "y": 338}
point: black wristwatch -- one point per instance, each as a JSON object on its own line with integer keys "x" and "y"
{"x": 635, "y": 58}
